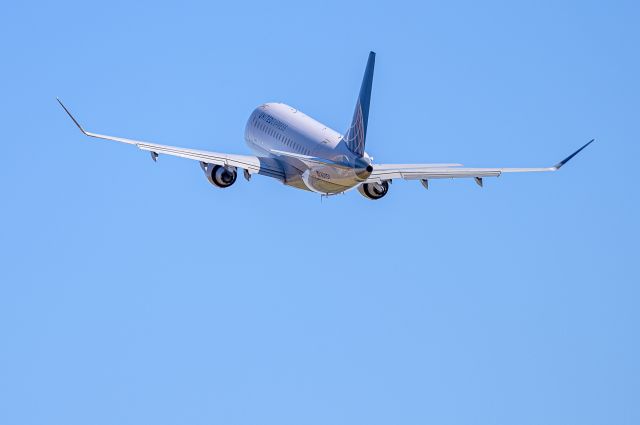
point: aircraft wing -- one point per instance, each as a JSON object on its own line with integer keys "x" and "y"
{"x": 252, "y": 164}
{"x": 382, "y": 172}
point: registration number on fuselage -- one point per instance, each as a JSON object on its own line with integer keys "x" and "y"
{"x": 323, "y": 175}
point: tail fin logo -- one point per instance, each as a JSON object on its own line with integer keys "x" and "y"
{"x": 357, "y": 133}
{"x": 355, "y": 136}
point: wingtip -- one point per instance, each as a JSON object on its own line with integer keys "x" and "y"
{"x": 71, "y": 116}
{"x": 567, "y": 159}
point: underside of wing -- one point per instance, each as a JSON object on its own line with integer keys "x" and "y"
{"x": 385, "y": 172}
{"x": 252, "y": 164}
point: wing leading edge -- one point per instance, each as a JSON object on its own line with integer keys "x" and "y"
{"x": 384, "y": 172}
{"x": 252, "y": 164}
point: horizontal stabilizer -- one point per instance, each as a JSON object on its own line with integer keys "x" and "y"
{"x": 314, "y": 159}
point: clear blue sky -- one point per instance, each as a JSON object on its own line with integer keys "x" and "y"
{"x": 135, "y": 292}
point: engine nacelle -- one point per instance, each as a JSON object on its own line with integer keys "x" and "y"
{"x": 220, "y": 176}
{"x": 374, "y": 190}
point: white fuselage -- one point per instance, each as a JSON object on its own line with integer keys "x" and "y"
{"x": 276, "y": 130}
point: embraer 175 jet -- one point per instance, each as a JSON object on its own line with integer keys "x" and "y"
{"x": 303, "y": 153}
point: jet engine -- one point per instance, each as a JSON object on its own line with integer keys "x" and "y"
{"x": 219, "y": 175}
{"x": 374, "y": 190}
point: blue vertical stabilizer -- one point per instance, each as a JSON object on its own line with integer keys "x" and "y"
{"x": 357, "y": 133}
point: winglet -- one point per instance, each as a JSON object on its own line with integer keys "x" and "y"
{"x": 567, "y": 159}
{"x": 71, "y": 116}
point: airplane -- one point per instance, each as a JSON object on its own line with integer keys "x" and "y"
{"x": 303, "y": 153}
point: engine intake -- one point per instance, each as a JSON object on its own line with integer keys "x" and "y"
{"x": 220, "y": 176}
{"x": 374, "y": 191}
